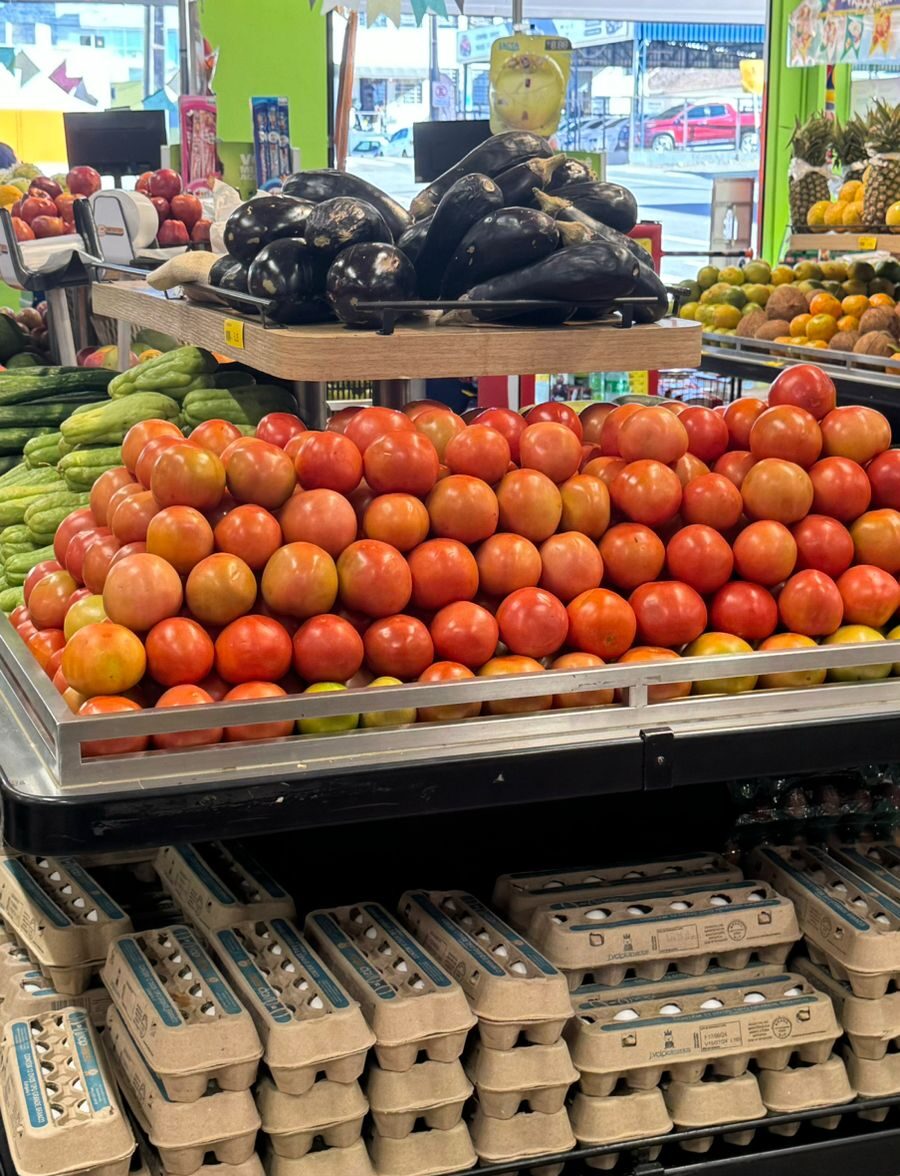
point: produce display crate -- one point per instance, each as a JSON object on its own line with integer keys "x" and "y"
{"x": 850, "y": 240}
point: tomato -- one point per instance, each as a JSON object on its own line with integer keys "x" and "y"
{"x": 374, "y": 578}
{"x": 216, "y": 435}
{"x": 186, "y": 696}
{"x": 840, "y": 488}
{"x": 668, "y": 613}
{"x": 790, "y": 679}
{"x": 570, "y": 565}
{"x": 787, "y": 432}
{"x": 855, "y": 432}
{"x": 653, "y": 653}
{"x": 78, "y": 520}
{"x": 130, "y": 518}
{"x": 739, "y": 417}
{"x": 601, "y": 622}
{"x": 590, "y": 453}
{"x": 747, "y": 610}
{"x": 506, "y": 422}
{"x": 607, "y": 469}
{"x": 591, "y": 421}
{"x": 530, "y": 504}
{"x": 556, "y": 412}
{"x": 585, "y": 505}
{"x": 721, "y": 645}
{"x": 398, "y": 646}
{"x": 251, "y": 533}
{"x": 49, "y": 599}
{"x": 735, "y": 466}
{"x": 551, "y": 448}
{"x": 823, "y": 544}
{"x": 367, "y": 426}
{"x": 442, "y": 570}
{"x": 252, "y": 649}
{"x": 805, "y": 386}
{"x": 300, "y": 580}
{"x": 652, "y": 433}
{"x": 480, "y": 452}
{"x": 180, "y": 535}
{"x": 463, "y": 508}
{"x": 857, "y": 635}
{"x": 401, "y": 463}
{"x": 532, "y": 622}
{"x": 151, "y": 453}
{"x": 126, "y": 550}
{"x": 581, "y": 661}
{"x": 141, "y": 590}
{"x": 44, "y": 643}
{"x": 503, "y": 667}
{"x": 447, "y": 671}
{"x": 810, "y": 604}
{"x": 612, "y": 426}
{"x": 279, "y": 427}
{"x": 103, "y": 489}
{"x": 777, "y": 490}
{"x": 507, "y": 562}
{"x": 88, "y": 610}
{"x": 179, "y": 652}
{"x": 876, "y": 539}
{"x": 713, "y": 501}
{"x": 186, "y": 475}
{"x": 765, "y": 553}
{"x": 439, "y": 426}
{"x": 871, "y": 596}
{"x": 884, "y": 477}
{"x": 647, "y": 492}
{"x": 338, "y": 421}
{"x": 258, "y": 472}
{"x": 37, "y": 573}
{"x": 707, "y": 433}
{"x": 245, "y": 692}
{"x": 103, "y": 659}
{"x": 700, "y": 557}
{"x": 140, "y": 434}
{"x": 327, "y": 649}
{"x": 20, "y": 613}
{"x": 466, "y": 633}
{"x": 689, "y": 468}
{"x": 632, "y": 554}
{"x": 322, "y": 517}
{"x": 397, "y": 519}
{"x": 109, "y": 705}
{"x": 329, "y": 461}
{"x": 414, "y": 408}
{"x": 77, "y": 549}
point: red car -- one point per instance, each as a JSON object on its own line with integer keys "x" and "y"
{"x": 700, "y": 125}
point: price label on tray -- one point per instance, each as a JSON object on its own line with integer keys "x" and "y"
{"x": 234, "y": 333}
{"x": 867, "y": 243}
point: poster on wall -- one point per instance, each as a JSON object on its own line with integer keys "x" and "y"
{"x": 271, "y": 139}
{"x": 844, "y": 32}
{"x": 529, "y": 78}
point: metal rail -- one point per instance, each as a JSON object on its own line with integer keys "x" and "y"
{"x": 843, "y": 365}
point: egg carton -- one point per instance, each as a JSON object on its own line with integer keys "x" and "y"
{"x": 649, "y": 1030}
{"x": 433, "y": 1093}
{"x": 5, "y": 934}
{"x": 331, "y": 1161}
{"x": 330, "y": 1111}
{"x": 846, "y": 920}
{"x": 182, "y": 1013}
{"x": 423, "y": 1153}
{"x": 804, "y": 1088}
{"x": 30, "y": 994}
{"x": 871, "y": 1026}
{"x": 878, "y": 862}
{"x": 60, "y": 913}
{"x": 14, "y": 960}
{"x": 517, "y": 895}
{"x": 308, "y": 1024}
{"x": 508, "y": 1079}
{"x": 59, "y": 1103}
{"x": 526, "y": 1136}
{"x": 712, "y": 1102}
{"x": 512, "y": 989}
{"x": 153, "y": 1165}
{"x": 138, "y": 889}
{"x": 603, "y": 940}
{"x": 218, "y": 885}
{"x": 408, "y": 999}
{"x": 625, "y": 1116}
{"x": 223, "y": 1123}
{"x": 873, "y": 1077}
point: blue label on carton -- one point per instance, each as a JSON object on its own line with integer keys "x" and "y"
{"x": 464, "y": 941}
{"x": 323, "y": 981}
{"x": 147, "y": 979}
{"x": 512, "y": 937}
{"x": 97, "y": 895}
{"x": 820, "y": 892}
{"x": 210, "y": 976}
{"x": 259, "y": 875}
{"x": 214, "y": 885}
{"x": 265, "y": 994}
{"x": 37, "y": 896}
{"x": 29, "y": 1075}
{"x": 410, "y": 947}
{"x": 354, "y": 958}
{"x": 90, "y": 1066}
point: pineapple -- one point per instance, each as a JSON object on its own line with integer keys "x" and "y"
{"x": 850, "y": 146}
{"x": 811, "y": 142}
{"x": 883, "y": 185}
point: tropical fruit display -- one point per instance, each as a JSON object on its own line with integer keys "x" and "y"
{"x": 810, "y": 145}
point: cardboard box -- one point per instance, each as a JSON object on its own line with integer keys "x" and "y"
{"x": 331, "y": 1161}
{"x": 873, "y": 1077}
{"x": 431, "y": 1092}
{"x": 717, "y": 1100}
{"x": 525, "y": 1136}
{"x": 871, "y": 1026}
{"x": 625, "y": 1116}
{"x": 539, "y": 1075}
{"x": 423, "y": 1153}
{"x": 332, "y": 1111}
{"x": 803, "y": 1088}
{"x": 153, "y": 1165}
{"x": 30, "y": 994}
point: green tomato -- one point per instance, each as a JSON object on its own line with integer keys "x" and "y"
{"x": 331, "y": 725}
{"x": 392, "y": 718}
{"x": 721, "y": 645}
{"x": 856, "y": 635}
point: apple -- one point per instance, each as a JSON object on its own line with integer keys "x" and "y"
{"x": 162, "y": 207}
{"x": 34, "y": 206}
{"x": 44, "y": 185}
{"x": 200, "y": 231}
{"x": 393, "y": 718}
{"x": 16, "y": 209}
{"x": 83, "y": 181}
{"x": 105, "y": 357}
{"x": 23, "y": 230}
{"x": 143, "y": 183}
{"x": 165, "y": 182}
{"x": 186, "y": 208}
{"x": 48, "y": 226}
{"x": 65, "y": 206}
{"x": 172, "y": 232}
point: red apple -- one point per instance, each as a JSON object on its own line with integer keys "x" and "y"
{"x": 83, "y": 181}
{"x": 34, "y": 206}
{"x": 143, "y": 183}
{"x": 43, "y": 184}
{"x": 22, "y": 229}
{"x": 172, "y": 232}
{"x": 165, "y": 182}
{"x": 186, "y": 208}
{"x": 65, "y": 206}
{"x": 48, "y": 226}
{"x": 200, "y": 231}
{"x": 162, "y": 207}
{"x": 16, "y": 209}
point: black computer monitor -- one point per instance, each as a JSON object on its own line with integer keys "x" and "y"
{"x": 439, "y": 145}
{"x": 116, "y": 142}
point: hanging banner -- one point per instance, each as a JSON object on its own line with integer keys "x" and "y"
{"x": 529, "y": 79}
{"x": 844, "y": 32}
{"x": 392, "y": 9}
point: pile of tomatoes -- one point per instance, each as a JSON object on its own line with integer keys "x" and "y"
{"x": 419, "y": 546}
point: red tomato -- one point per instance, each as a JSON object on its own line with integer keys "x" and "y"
{"x": 108, "y": 705}
{"x": 130, "y": 518}
{"x": 558, "y": 413}
{"x": 601, "y": 622}
{"x": 739, "y": 418}
{"x": 330, "y": 461}
{"x": 440, "y": 426}
{"x": 79, "y": 520}
{"x": 20, "y": 613}
{"x": 585, "y": 505}
{"x": 765, "y": 553}
{"x": 186, "y": 696}
{"x": 480, "y": 452}
{"x": 443, "y": 571}
{"x": 398, "y": 647}
{"x": 591, "y": 421}
{"x": 403, "y": 463}
{"x": 855, "y": 432}
{"x": 49, "y": 599}
{"x": 778, "y": 490}
{"x": 746, "y": 610}
{"x": 251, "y": 533}
{"x": 533, "y": 622}
{"x": 222, "y": 588}
{"x": 790, "y": 679}
{"x": 805, "y": 386}
{"x": 570, "y": 565}
{"x": 447, "y": 671}
{"x": 140, "y": 434}
{"x": 466, "y": 633}
{"x": 141, "y": 590}
{"x": 840, "y": 488}
{"x": 503, "y": 667}
{"x": 258, "y": 472}
{"x": 632, "y": 555}
{"x": 581, "y": 661}
{"x": 530, "y": 504}
{"x": 810, "y": 604}
{"x": 247, "y": 691}
{"x": 463, "y": 508}
{"x": 253, "y": 649}
{"x": 152, "y": 452}
{"x": 323, "y": 517}
{"x": 338, "y": 421}
{"x": 823, "y": 544}
{"x": 44, "y": 644}
{"x": 735, "y": 466}
{"x": 37, "y": 573}
{"x": 700, "y": 557}
{"x": 653, "y": 653}
{"x": 414, "y": 408}
{"x": 607, "y": 469}
{"x": 374, "y": 578}
{"x": 300, "y": 580}
{"x": 327, "y": 649}
{"x": 507, "y": 562}
{"x": 216, "y": 435}
{"x": 103, "y": 489}
{"x": 97, "y": 558}
{"x": 507, "y": 423}
{"x": 103, "y": 659}
{"x": 367, "y": 426}
{"x": 876, "y": 539}
{"x": 77, "y": 549}
{"x": 689, "y": 468}
{"x": 787, "y": 432}
{"x": 647, "y": 492}
{"x": 397, "y": 519}
{"x": 551, "y": 448}
{"x": 186, "y": 475}
{"x": 179, "y": 652}
{"x": 712, "y": 500}
{"x": 884, "y": 476}
{"x": 126, "y": 550}
{"x": 668, "y": 613}
{"x": 180, "y": 535}
{"x": 871, "y": 596}
{"x": 612, "y": 426}
{"x": 707, "y": 432}
{"x": 652, "y": 433}
{"x": 278, "y": 427}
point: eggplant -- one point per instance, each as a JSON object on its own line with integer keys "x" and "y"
{"x": 290, "y": 274}
{"x": 369, "y": 273}
{"x": 470, "y": 199}
{"x": 611, "y": 204}
{"x": 413, "y": 240}
{"x": 518, "y": 184}
{"x": 649, "y": 284}
{"x": 336, "y": 224}
{"x": 268, "y": 218}
{"x": 571, "y": 171}
{"x": 567, "y": 213}
{"x": 497, "y": 243}
{"x": 497, "y": 154}
{"x": 230, "y": 273}
{"x": 318, "y": 186}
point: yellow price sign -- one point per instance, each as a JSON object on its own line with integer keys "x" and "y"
{"x": 867, "y": 243}
{"x": 234, "y": 333}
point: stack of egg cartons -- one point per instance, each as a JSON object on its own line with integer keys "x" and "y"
{"x": 520, "y": 1066}
{"x": 416, "y": 1087}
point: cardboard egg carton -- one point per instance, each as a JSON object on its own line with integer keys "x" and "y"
{"x": 331, "y": 1161}
{"x": 878, "y": 862}
{"x": 871, "y": 1026}
{"x": 60, "y": 1107}
{"x": 536, "y": 1075}
{"x": 433, "y": 1093}
{"x": 524, "y": 1137}
{"x": 30, "y": 994}
{"x": 152, "y": 1164}
{"x": 848, "y": 923}
{"x": 423, "y": 1153}
{"x": 183, "y": 1015}
{"x": 626, "y": 1116}
{"x": 218, "y": 885}
{"x": 308, "y": 1024}
{"x": 62, "y": 915}
{"x": 646, "y": 1031}
{"x": 223, "y": 1123}
{"x": 410, "y": 1002}
{"x": 712, "y": 1102}
{"x": 5, "y": 934}
{"x": 803, "y": 1088}
{"x": 873, "y": 1077}
{"x": 517, "y": 895}
{"x": 14, "y": 960}
{"x": 602, "y": 940}
{"x": 512, "y": 989}
{"x": 330, "y": 1111}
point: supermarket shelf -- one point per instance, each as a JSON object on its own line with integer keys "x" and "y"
{"x": 420, "y": 349}
{"x": 852, "y": 241}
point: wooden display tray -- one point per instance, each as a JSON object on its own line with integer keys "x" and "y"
{"x": 416, "y": 350}
{"x": 852, "y": 241}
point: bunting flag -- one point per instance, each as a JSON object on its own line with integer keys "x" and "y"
{"x": 26, "y": 67}
{"x": 388, "y": 8}
{"x": 392, "y": 9}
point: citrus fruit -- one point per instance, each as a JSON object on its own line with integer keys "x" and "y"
{"x": 821, "y": 326}
{"x": 853, "y": 214}
{"x": 725, "y": 316}
{"x": 855, "y": 304}
{"x": 884, "y": 300}
{"x": 825, "y": 304}
{"x": 851, "y": 191}
{"x": 817, "y": 211}
{"x": 688, "y": 311}
{"x": 799, "y": 324}
{"x": 757, "y": 272}
{"x": 848, "y": 322}
{"x": 834, "y": 214}
{"x": 708, "y": 276}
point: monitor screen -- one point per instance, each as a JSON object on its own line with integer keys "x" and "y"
{"x": 439, "y": 145}
{"x": 116, "y": 142}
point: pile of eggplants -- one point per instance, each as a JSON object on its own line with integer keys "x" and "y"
{"x": 511, "y": 221}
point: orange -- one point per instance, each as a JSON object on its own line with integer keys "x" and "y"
{"x": 821, "y": 326}
{"x": 855, "y": 304}
{"x": 825, "y": 303}
{"x": 881, "y": 300}
{"x": 848, "y": 322}
{"x": 784, "y": 339}
{"x": 818, "y": 343}
{"x": 799, "y": 325}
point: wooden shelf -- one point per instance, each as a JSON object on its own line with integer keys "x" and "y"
{"x": 417, "y": 350}
{"x": 851, "y": 242}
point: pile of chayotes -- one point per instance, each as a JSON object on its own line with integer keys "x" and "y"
{"x": 417, "y": 546}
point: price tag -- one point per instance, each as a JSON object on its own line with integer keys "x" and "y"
{"x": 234, "y": 333}
{"x": 869, "y": 244}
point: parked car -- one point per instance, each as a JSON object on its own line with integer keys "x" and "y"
{"x": 401, "y": 143}
{"x": 368, "y": 143}
{"x": 701, "y": 125}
